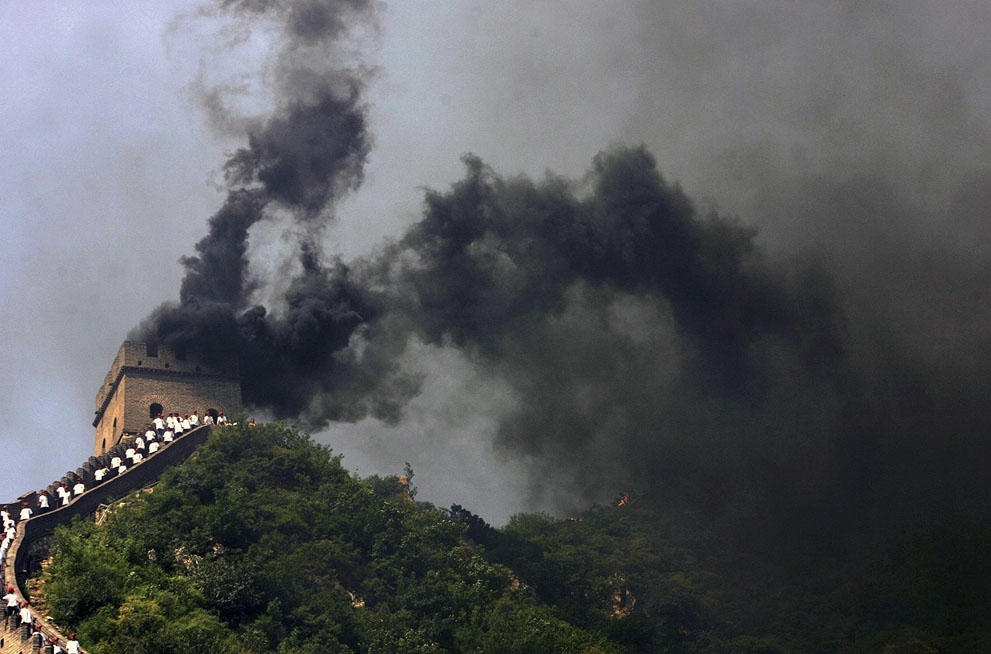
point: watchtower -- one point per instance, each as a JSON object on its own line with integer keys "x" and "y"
{"x": 147, "y": 379}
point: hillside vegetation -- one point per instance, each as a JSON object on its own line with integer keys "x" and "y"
{"x": 264, "y": 542}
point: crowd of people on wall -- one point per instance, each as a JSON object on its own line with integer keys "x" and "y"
{"x": 129, "y": 452}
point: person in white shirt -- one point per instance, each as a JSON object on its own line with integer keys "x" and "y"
{"x": 194, "y": 420}
{"x": 26, "y": 512}
{"x": 79, "y": 488}
{"x": 26, "y": 617}
{"x": 100, "y": 474}
{"x": 167, "y": 436}
{"x": 153, "y": 447}
{"x": 159, "y": 424}
{"x": 137, "y": 458}
{"x": 43, "y": 499}
{"x": 139, "y": 443}
{"x": 72, "y": 646}
{"x": 12, "y": 602}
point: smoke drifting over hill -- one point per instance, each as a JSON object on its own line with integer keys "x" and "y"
{"x": 649, "y": 343}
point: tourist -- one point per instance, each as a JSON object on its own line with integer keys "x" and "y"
{"x": 64, "y": 494}
{"x": 37, "y": 639}
{"x": 26, "y": 617}
{"x": 12, "y": 601}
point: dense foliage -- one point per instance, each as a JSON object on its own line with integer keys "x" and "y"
{"x": 263, "y": 542}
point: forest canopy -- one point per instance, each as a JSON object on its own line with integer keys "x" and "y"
{"x": 264, "y": 542}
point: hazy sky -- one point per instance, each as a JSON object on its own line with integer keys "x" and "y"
{"x": 855, "y": 133}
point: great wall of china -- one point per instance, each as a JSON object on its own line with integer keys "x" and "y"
{"x": 33, "y": 536}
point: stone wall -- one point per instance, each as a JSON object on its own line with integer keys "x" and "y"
{"x": 19, "y": 563}
{"x": 143, "y": 375}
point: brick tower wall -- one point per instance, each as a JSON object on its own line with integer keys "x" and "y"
{"x": 144, "y": 375}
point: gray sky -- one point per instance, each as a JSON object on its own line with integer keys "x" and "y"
{"x": 857, "y": 131}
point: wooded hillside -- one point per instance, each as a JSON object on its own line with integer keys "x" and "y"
{"x": 264, "y": 542}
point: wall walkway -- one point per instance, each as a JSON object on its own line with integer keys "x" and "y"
{"x": 21, "y": 559}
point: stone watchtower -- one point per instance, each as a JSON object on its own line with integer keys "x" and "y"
{"x": 147, "y": 379}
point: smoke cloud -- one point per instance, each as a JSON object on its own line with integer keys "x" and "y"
{"x": 650, "y": 343}
{"x": 308, "y": 153}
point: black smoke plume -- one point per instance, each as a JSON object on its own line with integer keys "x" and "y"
{"x": 648, "y": 344}
{"x": 652, "y": 345}
{"x": 297, "y": 162}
